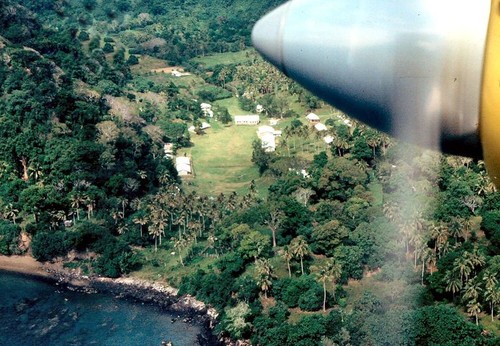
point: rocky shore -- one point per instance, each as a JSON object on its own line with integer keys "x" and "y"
{"x": 187, "y": 308}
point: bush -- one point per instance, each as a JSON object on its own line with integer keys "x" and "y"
{"x": 312, "y": 299}
{"x": 246, "y": 104}
{"x": 9, "y": 234}
{"x": 117, "y": 259}
{"x": 46, "y": 246}
{"x": 290, "y": 291}
{"x": 212, "y": 93}
{"x": 443, "y": 325}
{"x": 84, "y": 36}
{"x": 108, "y": 48}
{"x": 132, "y": 60}
{"x": 89, "y": 236}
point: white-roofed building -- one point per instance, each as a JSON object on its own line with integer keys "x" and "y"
{"x": 205, "y": 125}
{"x": 268, "y": 142}
{"x": 320, "y": 127}
{"x": 183, "y": 165}
{"x": 328, "y": 139}
{"x": 206, "y": 108}
{"x": 313, "y": 118}
{"x": 168, "y": 149}
{"x": 267, "y": 135}
{"x": 181, "y": 73}
{"x": 265, "y": 129}
{"x": 246, "y": 119}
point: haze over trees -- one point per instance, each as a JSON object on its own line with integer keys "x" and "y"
{"x": 362, "y": 241}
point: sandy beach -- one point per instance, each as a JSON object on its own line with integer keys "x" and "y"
{"x": 23, "y": 264}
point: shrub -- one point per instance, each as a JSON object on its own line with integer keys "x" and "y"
{"x": 84, "y": 36}
{"x": 46, "y": 246}
{"x": 117, "y": 259}
{"x": 108, "y": 48}
{"x": 132, "y": 60}
{"x": 312, "y": 299}
{"x": 9, "y": 234}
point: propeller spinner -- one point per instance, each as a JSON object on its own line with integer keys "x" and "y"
{"x": 423, "y": 71}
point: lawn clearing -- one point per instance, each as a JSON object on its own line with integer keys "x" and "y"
{"x": 222, "y": 161}
{"x": 147, "y": 64}
{"x": 210, "y": 61}
{"x": 233, "y": 106}
{"x": 164, "y": 265}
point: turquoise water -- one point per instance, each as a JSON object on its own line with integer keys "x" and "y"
{"x": 34, "y": 312}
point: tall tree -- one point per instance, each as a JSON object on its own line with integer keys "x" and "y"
{"x": 492, "y": 291}
{"x": 287, "y": 255}
{"x": 330, "y": 271}
{"x": 265, "y": 272}
{"x": 274, "y": 222}
{"x": 300, "y": 248}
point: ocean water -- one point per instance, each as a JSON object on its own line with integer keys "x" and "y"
{"x": 36, "y": 312}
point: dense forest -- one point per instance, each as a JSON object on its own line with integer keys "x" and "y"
{"x": 363, "y": 241}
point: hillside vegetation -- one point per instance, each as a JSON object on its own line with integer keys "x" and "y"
{"x": 362, "y": 241}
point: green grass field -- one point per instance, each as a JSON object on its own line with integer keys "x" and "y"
{"x": 165, "y": 266}
{"x": 222, "y": 157}
{"x": 222, "y": 161}
{"x": 147, "y": 63}
{"x": 232, "y": 106}
{"x": 210, "y": 61}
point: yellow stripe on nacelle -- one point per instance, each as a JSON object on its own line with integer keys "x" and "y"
{"x": 490, "y": 97}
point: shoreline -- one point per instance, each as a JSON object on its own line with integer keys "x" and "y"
{"x": 187, "y": 307}
{"x": 23, "y": 265}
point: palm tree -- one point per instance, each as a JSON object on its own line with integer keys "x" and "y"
{"x": 123, "y": 203}
{"x": 56, "y": 217}
{"x": 341, "y": 144}
{"x": 391, "y": 211}
{"x": 180, "y": 244}
{"x": 493, "y": 298}
{"x": 440, "y": 234}
{"x": 264, "y": 271}
{"x": 492, "y": 294}
{"x": 300, "y": 248}
{"x": 456, "y": 228}
{"x": 156, "y": 230}
{"x": 287, "y": 255}
{"x": 373, "y": 140}
{"x": 122, "y": 228}
{"x": 76, "y": 201}
{"x": 10, "y": 212}
{"x": 141, "y": 221}
{"x": 136, "y": 204}
{"x": 490, "y": 279}
{"x": 89, "y": 202}
{"x": 471, "y": 290}
{"x": 211, "y": 239}
{"x": 265, "y": 284}
{"x": 329, "y": 271}
{"x": 474, "y": 308}
{"x": 35, "y": 171}
{"x": 476, "y": 258}
{"x": 464, "y": 267}
{"x": 453, "y": 282}
{"x": 428, "y": 257}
